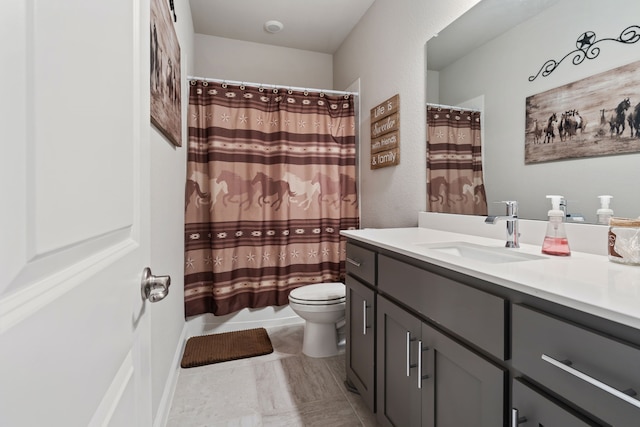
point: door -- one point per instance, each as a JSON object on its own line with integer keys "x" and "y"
{"x": 74, "y": 343}
{"x": 360, "y": 349}
{"x": 398, "y": 396}
{"x": 456, "y": 377}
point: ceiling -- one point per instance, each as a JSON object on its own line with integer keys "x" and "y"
{"x": 314, "y": 25}
{"x": 482, "y": 23}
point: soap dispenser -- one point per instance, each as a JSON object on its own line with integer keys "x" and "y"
{"x": 604, "y": 213}
{"x": 555, "y": 241}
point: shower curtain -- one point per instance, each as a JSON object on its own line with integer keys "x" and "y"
{"x": 271, "y": 181}
{"x": 454, "y": 162}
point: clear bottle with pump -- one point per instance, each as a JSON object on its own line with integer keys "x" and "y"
{"x": 555, "y": 241}
{"x": 604, "y": 213}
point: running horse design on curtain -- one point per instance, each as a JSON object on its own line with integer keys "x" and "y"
{"x": 454, "y": 162}
{"x": 270, "y": 184}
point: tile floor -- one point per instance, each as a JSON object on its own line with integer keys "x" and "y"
{"x": 284, "y": 388}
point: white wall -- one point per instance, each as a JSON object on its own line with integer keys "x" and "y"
{"x": 386, "y": 51}
{"x": 168, "y": 174}
{"x": 503, "y": 80}
{"x": 222, "y": 58}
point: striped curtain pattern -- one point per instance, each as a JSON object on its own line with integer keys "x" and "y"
{"x": 271, "y": 180}
{"x": 454, "y": 162}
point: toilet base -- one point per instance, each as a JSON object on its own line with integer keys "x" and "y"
{"x": 320, "y": 339}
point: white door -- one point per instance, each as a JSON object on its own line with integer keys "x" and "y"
{"x": 74, "y": 174}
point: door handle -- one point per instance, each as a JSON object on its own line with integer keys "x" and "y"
{"x": 420, "y": 376}
{"x": 516, "y": 419}
{"x": 154, "y": 288}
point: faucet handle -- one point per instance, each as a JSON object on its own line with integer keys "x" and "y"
{"x": 512, "y": 207}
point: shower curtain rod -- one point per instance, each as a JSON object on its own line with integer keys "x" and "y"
{"x": 272, "y": 86}
{"x": 451, "y": 107}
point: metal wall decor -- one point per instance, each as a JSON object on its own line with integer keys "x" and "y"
{"x": 587, "y": 49}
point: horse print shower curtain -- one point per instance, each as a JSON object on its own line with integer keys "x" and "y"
{"x": 271, "y": 181}
{"x": 454, "y": 162}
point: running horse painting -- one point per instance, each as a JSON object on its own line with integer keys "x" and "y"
{"x": 616, "y": 123}
{"x": 591, "y": 117}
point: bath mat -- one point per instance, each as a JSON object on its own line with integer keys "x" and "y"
{"x": 216, "y": 348}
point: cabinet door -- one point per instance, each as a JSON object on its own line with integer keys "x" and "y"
{"x": 532, "y": 408}
{"x": 398, "y": 397}
{"x": 460, "y": 388}
{"x": 360, "y": 351}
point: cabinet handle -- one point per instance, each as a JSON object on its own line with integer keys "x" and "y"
{"x": 420, "y": 376}
{"x": 354, "y": 262}
{"x": 364, "y": 317}
{"x": 594, "y": 382}
{"x": 516, "y": 419}
{"x": 409, "y": 365}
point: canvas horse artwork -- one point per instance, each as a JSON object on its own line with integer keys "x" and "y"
{"x": 590, "y": 117}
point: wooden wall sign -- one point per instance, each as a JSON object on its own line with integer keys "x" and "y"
{"x": 385, "y": 133}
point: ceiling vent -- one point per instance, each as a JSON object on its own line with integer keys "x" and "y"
{"x": 273, "y": 26}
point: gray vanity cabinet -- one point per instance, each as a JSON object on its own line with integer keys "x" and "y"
{"x": 360, "y": 348}
{"x": 590, "y": 370}
{"x": 426, "y": 378}
{"x": 399, "y": 400}
{"x": 531, "y": 408}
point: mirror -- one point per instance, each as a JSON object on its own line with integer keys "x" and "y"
{"x": 484, "y": 60}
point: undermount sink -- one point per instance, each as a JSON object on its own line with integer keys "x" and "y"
{"x": 488, "y": 254}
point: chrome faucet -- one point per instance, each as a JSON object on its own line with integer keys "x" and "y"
{"x": 512, "y": 223}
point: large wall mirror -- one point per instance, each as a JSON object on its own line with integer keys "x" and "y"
{"x": 485, "y": 58}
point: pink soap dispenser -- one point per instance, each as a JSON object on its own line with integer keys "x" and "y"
{"x": 555, "y": 241}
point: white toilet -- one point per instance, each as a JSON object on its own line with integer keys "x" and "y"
{"x": 322, "y": 306}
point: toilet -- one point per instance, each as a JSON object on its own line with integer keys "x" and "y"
{"x": 322, "y": 306}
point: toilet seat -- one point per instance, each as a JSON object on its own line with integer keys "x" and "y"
{"x": 319, "y": 294}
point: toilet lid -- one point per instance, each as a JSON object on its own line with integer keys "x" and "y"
{"x": 320, "y": 294}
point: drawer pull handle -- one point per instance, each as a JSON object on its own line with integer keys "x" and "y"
{"x": 354, "y": 262}
{"x": 420, "y": 376}
{"x": 594, "y": 382}
{"x": 516, "y": 419}
{"x": 409, "y": 365}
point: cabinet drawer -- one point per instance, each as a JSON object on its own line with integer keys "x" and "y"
{"x": 541, "y": 411}
{"x": 474, "y": 315}
{"x": 361, "y": 263}
{"x": 583, "y": 366}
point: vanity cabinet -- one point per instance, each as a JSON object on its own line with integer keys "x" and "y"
{"x": 588, "y": 369}
{"x": 361, "y": 321}
{"x": 451, "y": 349}
{"x": 531, "y": 408}
{"x": 426, "y": 378}
{"x": 360, "y": 348}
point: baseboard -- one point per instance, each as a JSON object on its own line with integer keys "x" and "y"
{"x": 209, "y": 324}
{"x": 162, "y": 414}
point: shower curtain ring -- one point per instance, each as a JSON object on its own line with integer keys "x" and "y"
{"x": 224, "y": 84}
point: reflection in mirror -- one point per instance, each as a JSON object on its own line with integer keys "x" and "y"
{"x": 484, "y": 59}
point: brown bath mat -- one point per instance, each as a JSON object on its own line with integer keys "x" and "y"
{"x": 208, "y": 349}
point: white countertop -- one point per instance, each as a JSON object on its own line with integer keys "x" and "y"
{"x": 583, "y": 281}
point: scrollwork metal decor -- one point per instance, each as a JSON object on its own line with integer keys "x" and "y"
{"x": 586, "y": 49}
